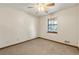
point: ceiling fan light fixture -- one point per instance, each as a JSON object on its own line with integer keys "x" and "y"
{"x": 41, "y": 8}
{"x": 44, "y": 6}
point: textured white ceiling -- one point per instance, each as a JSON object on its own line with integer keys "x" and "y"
{"x": 34, "y": 11}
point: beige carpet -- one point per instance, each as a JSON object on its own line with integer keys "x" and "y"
{"x": 39, "y": 47}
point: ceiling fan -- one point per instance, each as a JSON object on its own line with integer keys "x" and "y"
{"x": 42, "y": 6}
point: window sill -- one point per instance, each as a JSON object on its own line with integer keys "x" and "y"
{"x": 53, "y": 32}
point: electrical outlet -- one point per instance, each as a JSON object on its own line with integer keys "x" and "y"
{"x": 66, "y": 41}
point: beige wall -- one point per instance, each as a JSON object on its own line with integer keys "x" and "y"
{"x": 67, "y": 27}
{"x": 16, "y": 26}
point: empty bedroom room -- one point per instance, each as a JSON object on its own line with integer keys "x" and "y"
{"x": 39, "y": 29}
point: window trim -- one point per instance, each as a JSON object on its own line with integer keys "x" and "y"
{"x": 52, "y": 32}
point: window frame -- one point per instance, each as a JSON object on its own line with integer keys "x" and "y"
{"x": 54, "y": 18}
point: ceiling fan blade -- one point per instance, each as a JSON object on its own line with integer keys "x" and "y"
{"x": 51, "y": 4}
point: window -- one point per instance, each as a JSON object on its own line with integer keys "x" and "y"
{"x": 52, "y": 25}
